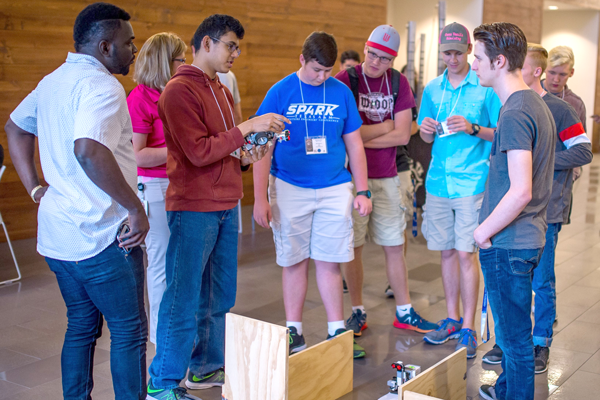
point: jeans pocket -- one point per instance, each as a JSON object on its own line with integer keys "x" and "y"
{"x": 522, "y": 262}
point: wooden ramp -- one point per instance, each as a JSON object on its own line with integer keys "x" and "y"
{"x": 258, "y": 366}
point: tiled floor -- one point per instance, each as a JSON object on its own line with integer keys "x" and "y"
{"x": 32, "y": 315}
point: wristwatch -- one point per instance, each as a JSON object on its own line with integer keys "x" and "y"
{"x": 366, "y": 193}
{"x": 476, "y": 129}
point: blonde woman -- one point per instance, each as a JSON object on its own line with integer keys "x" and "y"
{"x": 157, "y": 61}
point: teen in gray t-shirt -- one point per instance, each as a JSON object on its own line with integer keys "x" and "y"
{"x": 525, "y": 123}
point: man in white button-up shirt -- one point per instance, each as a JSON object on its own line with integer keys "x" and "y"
{"x": 79, "y": 115}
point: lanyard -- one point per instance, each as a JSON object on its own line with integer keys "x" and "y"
{"x": 442, "y": 102}
{"x": 215, "y": 97}
{"x": 484, "y": 318}
{"x": 304, "y": 104}
{"x": 414, "y": 221}
{"x": 387, "y": 83}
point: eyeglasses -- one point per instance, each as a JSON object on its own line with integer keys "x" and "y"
{"x": 231, "y": 47}
{"x": 181, "y": 60}
{"x": 374, "y": 57}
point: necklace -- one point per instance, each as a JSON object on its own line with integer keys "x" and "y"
{"x": 215, "y": 97}
{"x": 380, "y": 87}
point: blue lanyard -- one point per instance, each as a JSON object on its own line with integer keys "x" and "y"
{"x": 414, "y": 221}
{"x": 484, "y": 318}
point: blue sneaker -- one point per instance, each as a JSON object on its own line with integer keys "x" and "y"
{"x": 468, "y": 339}
{"x": 177, "y": 393}
{"x": 447, "y": 329}
{"x": 414, "y": 322}
{"x": 357, "y": 322}
{"x": 215, "y": 378}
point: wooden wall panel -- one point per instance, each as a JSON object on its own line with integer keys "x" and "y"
{"x": 527, "y": 14}
{"x": 35, "y": 36}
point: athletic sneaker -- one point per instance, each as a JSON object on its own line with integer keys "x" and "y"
{"x": 414, "y": 322}
{"x": 357, "y": 322}
{"x": 487, "y": 392}
{"x": 468, "y": 339}
{"x": 169, "y": 394}
{"x": 297, "y": 342}
{"x": 494, "y": 356}
{"x": 358, "y": 351}
{"x": 542, "y": 356}
{"x": 215, "y": 378}
{"x": 389, "y": 292}
{"x": 446, "y": 329}
{"x": 345, "y": 286}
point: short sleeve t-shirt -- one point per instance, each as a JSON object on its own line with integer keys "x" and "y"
{"x": 525, "y": 123}
{"x": 376, "y": 105}
{"x": 326, "y": 110}
{"x": 143, "y": 108}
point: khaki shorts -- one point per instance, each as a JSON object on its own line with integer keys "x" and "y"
{"x": 449, "y": 223}
{"x": 406, "y": 194}
{"x": 386, "y": 222}
{"x": 311, "y": 223}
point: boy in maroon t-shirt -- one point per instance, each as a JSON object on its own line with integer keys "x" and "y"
{"x": 386, "y": 124}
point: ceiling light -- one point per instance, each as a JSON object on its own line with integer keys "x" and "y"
{"x": 552, "y": 7}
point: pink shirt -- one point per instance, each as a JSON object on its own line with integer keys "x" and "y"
{"x": 143, "y": 108}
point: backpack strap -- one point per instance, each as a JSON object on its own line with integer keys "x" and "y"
{"x": 353, "y": 76}
{"x": 395, "y": 84}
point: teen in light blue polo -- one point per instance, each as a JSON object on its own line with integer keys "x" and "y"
{"x": 459, "y": 162}
{"x": 459, "y": 116}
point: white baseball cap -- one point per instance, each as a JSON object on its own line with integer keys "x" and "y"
{"x": 385, "y": 38}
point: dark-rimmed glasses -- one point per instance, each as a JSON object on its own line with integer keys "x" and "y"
{"x": 384, "y": 60}
{"x": 231, "y": 47}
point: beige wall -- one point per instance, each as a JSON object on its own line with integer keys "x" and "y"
{"x": 527, "y": 14}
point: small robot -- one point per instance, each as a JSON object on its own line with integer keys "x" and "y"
{"x": 261, "y": 138}
{"x": 258, "y": 139}
{"x": 404, "y": 373}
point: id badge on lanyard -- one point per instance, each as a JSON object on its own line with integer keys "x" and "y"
{"x": 316, "y": 145}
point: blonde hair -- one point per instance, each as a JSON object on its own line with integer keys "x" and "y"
{"x": 561, "y": 55}
{"x": 539, "y": 54}
{"x": 154, "y": 64}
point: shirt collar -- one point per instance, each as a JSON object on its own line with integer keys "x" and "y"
{"x": 79, "y": 58}
{"x": 470, "y": 78}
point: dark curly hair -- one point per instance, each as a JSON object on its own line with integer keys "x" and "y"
{"x": 216, "y": 26}
{"x": 320, "y": 47}
{"x": 97, "y": 20}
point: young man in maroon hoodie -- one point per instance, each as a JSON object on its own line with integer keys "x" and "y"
{"x": 204, "y": 169}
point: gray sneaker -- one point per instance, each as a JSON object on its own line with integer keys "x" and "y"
{"x": 215, "y": 378}
{"x": 468, "y": 339}
{"x": 177, "y": 393}
{"x": 357, "y": 322}
{"x": 494, "y": 356}
{"x": 542, "y": 356}
{"x": 389, "y": 292}
{"x": 487, "y": 392}
{"x": 447, "y": 329}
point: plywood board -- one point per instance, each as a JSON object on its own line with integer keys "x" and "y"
{"x": 324, "y": 371}
{"x": 256, "y": 357}
{"x": 446, "y": 380}
{"x": 416, "y": 396}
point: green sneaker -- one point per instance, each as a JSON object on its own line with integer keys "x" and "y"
{"x": 358, "y": 351}
{"x": 169, "y": 394}
{"x": 215, "y": 378}
{"x": 297, "y": 342}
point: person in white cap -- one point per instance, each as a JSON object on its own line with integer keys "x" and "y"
{"x": 458, "y": 115}
{"x": 384, "y": 101}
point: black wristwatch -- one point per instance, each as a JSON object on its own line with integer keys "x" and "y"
{"x": 366, "y": 193}
{"x": 476, "y": 129}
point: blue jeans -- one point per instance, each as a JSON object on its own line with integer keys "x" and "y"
{"x": 507, "y": 275}
{"x": 110, "y": 284}
{"x": 544, "y": 286}
{"x": 201, "y": 287}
